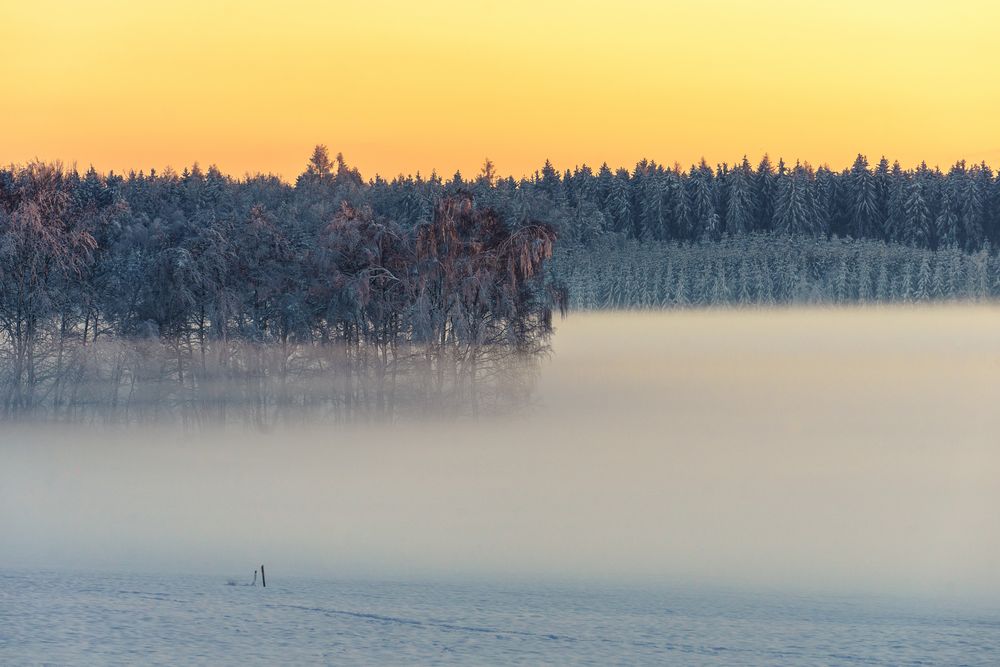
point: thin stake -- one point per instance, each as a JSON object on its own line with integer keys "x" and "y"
{"x": 263, "y": 581}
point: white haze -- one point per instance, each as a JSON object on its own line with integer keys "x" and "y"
{"x": 848, "y": 450}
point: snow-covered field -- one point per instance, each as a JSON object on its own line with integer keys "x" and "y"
{"x": 74, "y": 618}
{"x": 836, "y": 468}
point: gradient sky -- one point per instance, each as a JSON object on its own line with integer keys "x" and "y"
{"x": 403, "y": 86}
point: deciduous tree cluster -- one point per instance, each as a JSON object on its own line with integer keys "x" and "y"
{"x": 213, "y": 280}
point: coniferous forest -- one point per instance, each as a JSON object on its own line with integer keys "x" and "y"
{"x": 124, "y": 296}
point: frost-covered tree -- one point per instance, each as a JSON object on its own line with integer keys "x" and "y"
{"x": 618, "y": 204}
{"x": 946, "y": 224}
{"x": 864, "y": 200}
{"x": 654, "y": 214}
{"x": 794, "y": 211}
{"x": 897, "y": 221}
{"x": 194, "y": 274}
{"x": 703, "y": 210}
{"x": 740, "y": 205}
{"x": 764, "y": 192}
{"x": 44, "y": 246}
{"x": 917, "y": 226}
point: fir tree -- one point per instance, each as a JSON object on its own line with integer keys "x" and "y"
{"x": 794, "y": 211}
{"x": 706, "y": 218}
{"x": 618, "y": 205}
{"x": 740, "y": 206}
{"x": 864, "y": 209}
{"x": 896, "y": 215}
{"x": 918, "y": 227}
{"x": 946, "y": 224}
{"x": 764, "y": 191}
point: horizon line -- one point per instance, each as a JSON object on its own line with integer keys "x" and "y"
{"x": 675, "y": 165}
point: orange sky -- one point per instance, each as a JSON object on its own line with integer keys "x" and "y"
{"x": 406, "y": 86}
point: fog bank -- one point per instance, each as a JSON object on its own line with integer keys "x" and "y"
{"x": 799, "y": 449}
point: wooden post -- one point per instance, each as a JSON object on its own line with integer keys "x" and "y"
{"x": 263, "y": 581}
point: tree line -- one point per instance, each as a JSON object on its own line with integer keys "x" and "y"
{"x": 142, "y": 292}
{"x": 923, "y": 207}
{"x": 768, "y": 269}
{"x": 203, "y": 291}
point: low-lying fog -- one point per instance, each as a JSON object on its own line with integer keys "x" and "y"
{"x": 802, "y": 449}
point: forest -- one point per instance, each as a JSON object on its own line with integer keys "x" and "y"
{"x": 769, "y": 269}
{"x": 195, "y": 294}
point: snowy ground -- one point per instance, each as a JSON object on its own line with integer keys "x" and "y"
{"x": 48, "y": 618}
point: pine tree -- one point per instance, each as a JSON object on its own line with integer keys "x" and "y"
{"x": 896, "y": 215}
{"x": 939, "y": 285}
{"x": 863, "y": 280}
{"x": 618, "y": 205}
{"x": 883, "y": 287}
{"x": 990, "y": 212}
{"x": 602, "y": 189}
{"x": 979, "y": 274}
{"x": 991, "y": 197}
{"x": 678, "y": 207}
{"x": 764, "y": 191}
{"x": 825, "y": 198}
{"x": 744, "y": 288}
{"x": 971, "y": 211}
{"x": 319, "y": 168}
{"x": 794, "y": 211}
{"x": 841, "y": 281}
{"x": 740, "y": 206}
{"x": 946, "y": 224}
{"x": 681, "y": 299}
{"x": 905, "y": 291}
{"x": 550, "y": 183}
{"x": 925, "y": 279}
{"x": 720, "y": 285}
{"x": 706, "y": 219}
{"x": 919, "y": 225}
{"x": 654, "y": 219}
{"x": 883, "y": 193}
{"x": 864, "y": 209}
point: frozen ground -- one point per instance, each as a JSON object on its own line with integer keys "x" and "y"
{"x": 64, "y": 618}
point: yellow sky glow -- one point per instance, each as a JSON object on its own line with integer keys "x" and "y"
{"x": 403, "y": 86}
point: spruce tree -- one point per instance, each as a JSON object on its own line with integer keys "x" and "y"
{"x": 678, "y": 206}
{"x": 864, "y": 198}
{"x": 794, "y": 211}
{"x": 824, "y": 198}
{"x": 896, "y": 216}
{"x": 946, "y": 224}
{"x": 970, "y": 212}
{"x": 618, "y": 205}
{"x": 918, "y": 226}
{"x": 883, "y": 193}
{"x": 706, "y": 218}
{"x": 740, "y": 205}
{"x": 764, "y": 191}
{"x": 654, "y": 220}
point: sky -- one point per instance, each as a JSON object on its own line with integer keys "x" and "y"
{"x": 402, "y": 86}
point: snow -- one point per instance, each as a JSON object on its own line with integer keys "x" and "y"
{"x": 91, "y": 618}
